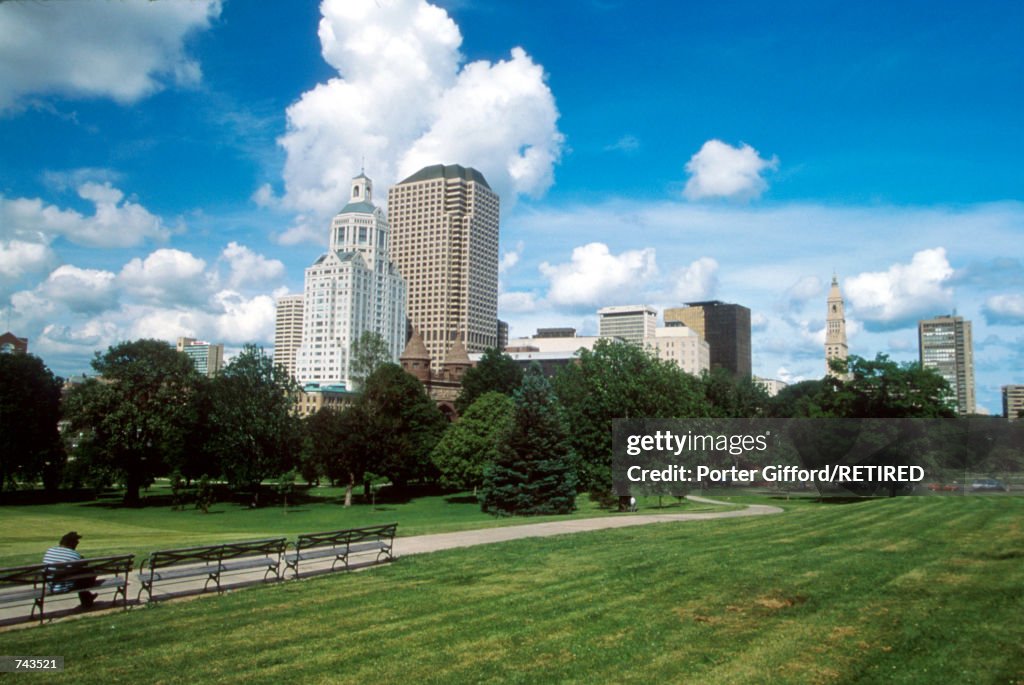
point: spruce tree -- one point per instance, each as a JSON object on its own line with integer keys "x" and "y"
{"x": 535, "y": 471}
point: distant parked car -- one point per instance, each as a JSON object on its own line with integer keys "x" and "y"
{"x": 939, "y": 487}
{"x": 989, "y": 485}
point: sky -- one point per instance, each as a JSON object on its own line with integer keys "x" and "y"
{"x": 170, "y": 168}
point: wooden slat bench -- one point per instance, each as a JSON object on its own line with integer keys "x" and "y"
{"x": 341, "y": 546}
{"x": 34, "y": 584}
{"x": 210, "y": 564}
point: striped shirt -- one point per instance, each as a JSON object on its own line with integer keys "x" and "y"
{"x": 60, "y": 555}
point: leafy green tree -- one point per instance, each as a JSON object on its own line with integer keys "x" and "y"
{"x": 337, "y": 446}
{"x": 884, "y": 389}
{"x": 534, "y": 472}
{"x": 130, "y": 423}
{"x": 619, "y": 380}
{"x": 495, "y": 372}
{"x": 473, "y": 441}
{"x": 368, "y": 353}
{"x": 398, "y": 426}
{"x": 799, "y": 400}
{"x": 30, "y": 445}
{"x": 731, "y": 397}
{"x": 255, "y": 432}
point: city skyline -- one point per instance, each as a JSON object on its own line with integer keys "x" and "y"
{"x": 658, "y": 154}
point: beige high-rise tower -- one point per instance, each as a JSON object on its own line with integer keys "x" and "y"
{"x": 835, "y": 331}
{"x": 945, "y": 345}
{"x": 444, "y": 228}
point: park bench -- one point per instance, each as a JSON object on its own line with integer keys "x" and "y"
{"x": 341, "y": 546}
{"x": 34, "y": 584}
{"x": 178, "y": 567}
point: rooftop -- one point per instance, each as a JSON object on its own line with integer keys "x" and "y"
{"x": 448, "y": 171}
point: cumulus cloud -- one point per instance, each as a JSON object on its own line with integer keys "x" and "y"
{"x": 248, "y": 268}
{"x": 116, "y": 222}
{"x": 403, "y": 99}
{"x": 595, "y": 276}
{"x": 719, "y": 170}
{"x": 1004, "y": 309}
{"x": 698, "y": 281}
{"x": 627, "y": 143}
{"x": 903, "y": 293}
{"x": 120, "y": 50}
{"x": 510, "y": 258}
{"x": 19, "y": 258}
{"x": 166, "y": 275}
{"x": 80, "y": 290}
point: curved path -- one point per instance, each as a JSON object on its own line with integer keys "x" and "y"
{"x": 421, "y": 544}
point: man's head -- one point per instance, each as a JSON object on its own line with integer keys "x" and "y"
{"x": 70, "y": 540}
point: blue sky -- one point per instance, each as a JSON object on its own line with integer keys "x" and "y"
{"x": 169, "y": 168}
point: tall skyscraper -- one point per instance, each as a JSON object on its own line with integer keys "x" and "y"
{"x": 206, "y": 358}
{"x": 835, "y": 330}
{"x": 1013, "y": 401}
{"x": 288, "y": 331}
{"x": 726, "y": 328}
{"x": 351, "y": 289}
{"x": 634, "y": 323}
{"x": 945, "y": 345}
{"x": 444, "y": 222}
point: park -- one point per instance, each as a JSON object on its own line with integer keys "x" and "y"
{"x": 910, "y": 589}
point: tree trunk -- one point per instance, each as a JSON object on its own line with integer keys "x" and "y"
{"x": 132, "y": 485}
{"x": 348, "y": 488}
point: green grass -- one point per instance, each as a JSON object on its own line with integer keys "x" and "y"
{"x": 108, "y": 528}
{"x": 908, "y": 590}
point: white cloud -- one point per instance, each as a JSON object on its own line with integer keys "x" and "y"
{"x": 510, "y": 258}
{"x": 121, "y": 50}
{"x": 903, "y": 293}
{"x": 19, "y": 258}
{"x": 719, "y": 170}
{"x": 240, "y": 320}
{"x": 80, "y": 290}
{"x": 115, "y": 222}
{"x": 166, "y": 276}
{"x": 401, "y": 101}
{"x": 1004, "y": 309}
{"x": 698, "y": 281}
{"x": 627, "y": 143}
{"x": 595, "y": 276}
{"x": 516, "y": 302}
{"x": 248, "y": 268}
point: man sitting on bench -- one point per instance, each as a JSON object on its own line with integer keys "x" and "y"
{"x": 63, "y": 553}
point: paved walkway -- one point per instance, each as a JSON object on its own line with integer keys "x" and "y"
{"x": 421, "y": 544}
{"x": 66, "y": 605}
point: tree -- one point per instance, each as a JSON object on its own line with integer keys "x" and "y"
{"x": 30, "y": 445}
{"x": 534, "y": 472}
{"x": 619, "y": 380}
{"x": 368, "y": 353}
{"x": 255, "y": 432}
{"x": 495, "y": 372}
{"x": 731, "y": 397}
{"x": 131, "y": 422}
{"x": 398, "y": 425}
{"x": 473, "y": 442}
{"x": 884, "y": 389}
{"x": 336, "y": 445}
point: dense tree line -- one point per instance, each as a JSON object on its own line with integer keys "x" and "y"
{"x": 521, "y": 442}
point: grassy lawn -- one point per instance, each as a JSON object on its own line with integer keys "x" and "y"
{"x": 108, "y": 528}
{"x": 908, "y": 590}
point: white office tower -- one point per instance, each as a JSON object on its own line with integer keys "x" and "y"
{"x": 352, "y": 288}
{"x": 445, "y": 222}
{"x": 634, "y": 323}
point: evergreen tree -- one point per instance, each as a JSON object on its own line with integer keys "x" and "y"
{"x": 535, "y": 468}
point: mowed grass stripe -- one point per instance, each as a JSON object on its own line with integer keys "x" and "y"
{"x": 909, "y": 590}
